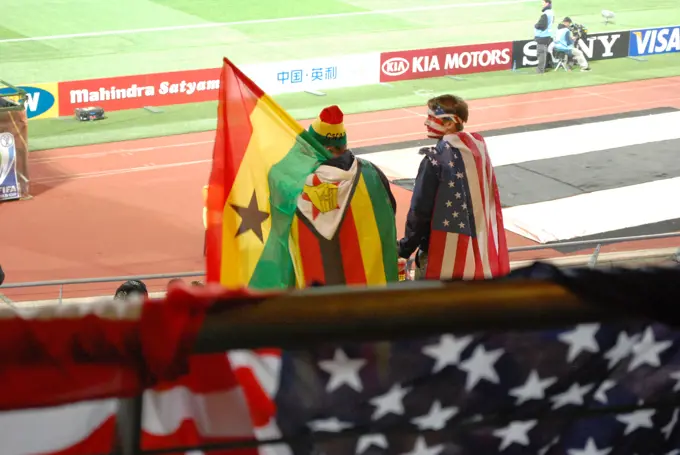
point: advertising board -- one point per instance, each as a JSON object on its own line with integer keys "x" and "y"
{"x": 193, "y": 86}
{"x": 443, "y": 61}
{"x": 654, "y": 41}
{"x": 597, "y": 46}
{"x": 315, "y": 74}
{"x": 132, "y": 92}
{"x": 42, "y": 102}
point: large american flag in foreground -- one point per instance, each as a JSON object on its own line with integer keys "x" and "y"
{"x": 586, "y": 390}
{"x": 467, "y": 238}
{"x": 590, "y": 389}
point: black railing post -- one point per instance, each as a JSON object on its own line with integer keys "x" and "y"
{"x": 128, "y": 438}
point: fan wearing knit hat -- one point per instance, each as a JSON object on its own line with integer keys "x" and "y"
{"x": 329, "y": 129}
{"x": 344, "y": 215}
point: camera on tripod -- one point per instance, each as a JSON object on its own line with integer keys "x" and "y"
{"x": 579, "y": 31}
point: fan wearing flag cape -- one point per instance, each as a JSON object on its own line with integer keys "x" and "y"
{"x": 343, "y": 232}
{"x": 267, "y": 173}
{"x": 455, "y": 219}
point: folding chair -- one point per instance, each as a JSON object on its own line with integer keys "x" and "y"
{"x": 560, "y": 59}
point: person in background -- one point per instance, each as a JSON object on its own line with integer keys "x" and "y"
{"x": 455, "y": 219}
{"x": 2, "y": 276}
{"x": 543, "y": 34}
{"x": 344, "y": 228}
{"x": 564, "y": 42}
{"x": 174, "y": 282}
{"x": 132, "y": 290}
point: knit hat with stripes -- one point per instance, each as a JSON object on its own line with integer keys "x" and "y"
{"x": 329, "y": 129}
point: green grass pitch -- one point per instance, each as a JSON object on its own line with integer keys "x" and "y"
{"x": 56, "y": 40}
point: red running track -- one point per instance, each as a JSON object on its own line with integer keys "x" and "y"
{"x": 134, "y": 207}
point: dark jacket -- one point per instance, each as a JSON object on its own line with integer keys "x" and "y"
{"x": 542, "y": 24}
{"x": 345, "y": 162}
{"x": 419, "y": 218}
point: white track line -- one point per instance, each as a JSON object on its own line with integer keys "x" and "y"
{"x": 164, "y": 166}
{"x": 506, "y": 122}
{"x": 87, "y": 175}
{"x": 33, "y": 158}
{"x": 262, "y": 21}
{"x": 47, "y": 160}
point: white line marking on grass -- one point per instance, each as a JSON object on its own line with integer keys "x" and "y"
{"x": 262, "y": 21}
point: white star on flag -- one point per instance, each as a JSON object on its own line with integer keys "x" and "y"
{"x": 676, "y": 377}
{"x": 533, "y": 389}
{"x": 647, "y": 351}
{"x": 368, "y": 440}
{"x": 622, "y": 349}
{"x": 668, "y": 429}
{"x": 448, "y": 351}
{"x": 391, "y": 402}
{"x": 549, "y": 446}
{"x": 515, "y": 433}
{"x": 481, "y": 366}
{"x": 421, "y": 448}
{"x": 589, "y": 449}
{"x": 332, "y": 425}
{"x": 637, "y": 419}
{"x": 436, "y": 418}
{"x": 581, "y": 339}
{"x": 574, "y": 395}
{"x": 601, "y": 393}
{"x": 343, "y": 371}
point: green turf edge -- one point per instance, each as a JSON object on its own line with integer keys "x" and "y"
{"x": 198, "y": 117}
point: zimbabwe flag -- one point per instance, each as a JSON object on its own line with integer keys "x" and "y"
{"x": 261, "y": 159}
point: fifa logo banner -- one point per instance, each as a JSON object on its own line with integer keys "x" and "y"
{"x": 9, "y": 184}
{"x": 654, "y": 41}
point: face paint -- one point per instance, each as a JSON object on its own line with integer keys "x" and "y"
{"x": 435, "y": 127}
{"x": 435, "y": 122}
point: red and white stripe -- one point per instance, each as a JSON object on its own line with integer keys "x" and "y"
{"x": 485, "y": 256}
{"x": 44, "y": 349}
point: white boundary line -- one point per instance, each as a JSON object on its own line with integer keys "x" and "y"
{"x": 263, "y": 21}
{"x": 35, "y": 159}
{"x": 130, "y": 170}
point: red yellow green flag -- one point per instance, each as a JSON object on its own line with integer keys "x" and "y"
{"x": 261, "y": 159}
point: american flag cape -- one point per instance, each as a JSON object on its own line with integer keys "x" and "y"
{"x": 467, "y": 237}
{"x": 590, "y": 389}
{"x": 202, "y": 407}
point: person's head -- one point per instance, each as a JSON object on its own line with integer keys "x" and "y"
{"x": 547, "y": 3}
{"x": 174, "y": 282}
{"x": 567, "y": 21}
{"x": 329, "y": 130}
{"x": 446, "y": 114}
{"x": 131, "y": 290}
{"x": 2, "y": 275}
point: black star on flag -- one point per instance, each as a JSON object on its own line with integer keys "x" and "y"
{"x": 251, "y": 218}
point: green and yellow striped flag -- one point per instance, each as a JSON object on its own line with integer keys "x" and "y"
{"x": 260, "y": 161}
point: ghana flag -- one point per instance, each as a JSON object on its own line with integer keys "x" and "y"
{"x": 261, "y": 159}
